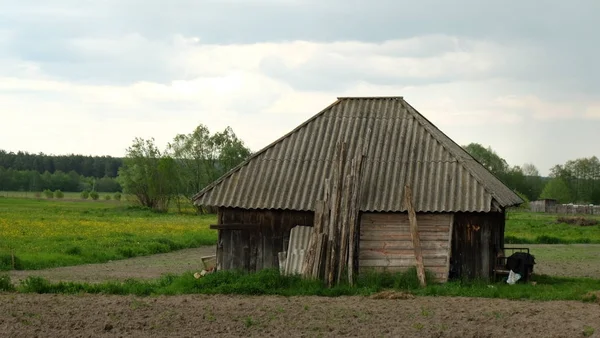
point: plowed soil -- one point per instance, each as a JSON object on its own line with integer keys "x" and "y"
{"x": 32, "y": 315}
{"x": 237, "y": 316}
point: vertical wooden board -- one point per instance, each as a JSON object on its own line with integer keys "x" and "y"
{"x": 450, "y": 235}
{"x": 245, "y": 236}
{"x": 486, "y": 247}
{"x": 260, "y": 240}
{"x": 237, "y": 249}
{"x": 267, "y": 250}
{"x": 253, "y": 250}
{"x": 219, "y": 252}
{"x": 230, "y": 244}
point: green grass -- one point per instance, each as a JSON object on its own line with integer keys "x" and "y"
{"x": 270, "y": 282}
{"x": 50, "y": 233}
{"x": 540, "y": 228}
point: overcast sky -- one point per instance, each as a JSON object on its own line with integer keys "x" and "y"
{"x": 88, "y": 76}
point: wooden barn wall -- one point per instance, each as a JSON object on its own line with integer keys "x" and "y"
{"x": 386, "y": 243}
{"x": 261, "y": 234}
{"x": 476, "y": 240}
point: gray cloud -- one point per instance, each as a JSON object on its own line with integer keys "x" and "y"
{"x": 563, "y": 32}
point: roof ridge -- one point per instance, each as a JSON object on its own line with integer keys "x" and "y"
{"x": 459, "y": 158}
{"x": 263, "y": 150}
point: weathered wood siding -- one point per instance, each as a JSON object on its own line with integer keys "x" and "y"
{"x": 261, "y": 235}
{"x": 385, "y": 242}
{"x": 476, "y": 240}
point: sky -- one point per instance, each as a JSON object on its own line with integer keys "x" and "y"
{"x": 87, "y": 77}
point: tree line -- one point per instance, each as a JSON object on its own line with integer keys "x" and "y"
{"x": 577, "y": 181}
{"x": 32, "y": 180}
{"x": 87, "y": 166}
{"x": 192, "y": 161}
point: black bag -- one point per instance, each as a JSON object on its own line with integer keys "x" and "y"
{"x": 521, "y": 263}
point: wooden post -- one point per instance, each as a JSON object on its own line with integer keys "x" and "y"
{"x": 309, "y": 259}
{"x": 338, "y": 179}
{"x": 345, "y": 225}
{"x": 357, "y": 169}
{"x": 414, "y": 234}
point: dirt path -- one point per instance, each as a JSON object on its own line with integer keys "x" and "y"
{"x": 236, "y": 316}
{"x": 146, "y": 267}
{"x": 577, "y": 260}
{"x": 572, "y": 260}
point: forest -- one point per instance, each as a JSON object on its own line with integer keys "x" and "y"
{"x": 191, "y": 161}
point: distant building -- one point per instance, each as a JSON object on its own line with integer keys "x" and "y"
{"x": 543, "y": 205}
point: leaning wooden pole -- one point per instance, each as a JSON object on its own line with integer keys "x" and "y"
{"x": 358, "y": 165}
{"x": 334, "y": 230}
{"x": 414, "y": 234}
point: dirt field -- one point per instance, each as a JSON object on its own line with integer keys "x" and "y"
{"x": 33, "y": 315}
{"x": 574, "y": 260}
{"x": 147, "y": 267}
{"x": 236, "y": 316}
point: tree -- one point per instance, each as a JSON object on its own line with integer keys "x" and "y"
{"x": 530, "y": 170}
{"x": 488, "y": 158}
{"x": 557, "y": 189}
{"x": 202, "y": 158}
{"x": 582, "y": 176}
{"x": 149, "y": 175}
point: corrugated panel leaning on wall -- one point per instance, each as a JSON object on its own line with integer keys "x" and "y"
{"x": 299, "y": 239}
{"x": 386, "y": 243}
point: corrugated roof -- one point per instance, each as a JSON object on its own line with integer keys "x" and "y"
{"x": 405, "y": 148}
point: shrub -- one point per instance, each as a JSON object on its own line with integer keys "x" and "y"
{"x": 10, "y": 262}
{"x": 85, "y": 194}
{"x": 5, "y": 284}
{"x": 94, "y": 195}
{"x": 117, "y": 196}
{"x": 48, "y": 193}
{"x": 59, "y": 194}
{"x": 581, "y": 221}
{"x": 74, "y": 251}
{"x": 107, "y": 197}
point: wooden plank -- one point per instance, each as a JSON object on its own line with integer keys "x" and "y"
{"x": 233, "y": 226}
{"x": 406, "y": 229}
{"x": 441, "y": 246}
{"x": 402, "y": 219}
{"x": 338, "y": 177}
{"x": 220, "y": 250}
{"x": 449, "y": 252}
{"x": 437, "y": 270}
{"x": 252, "y": 250}
{"x": 393, "y": 236}
{"x": 415, "y": 235}
{"x": 396, "y": 253}
{"x": 399, "y": 254}
{"x": 345, "y": 227}
{"x": 353, "y": 215}
{"x": 309, "y": 259}
{"x": 404, "y": 262}
{"x": 318, "y": 268}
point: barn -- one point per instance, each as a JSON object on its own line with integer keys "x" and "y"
{"x": 460, "y": 205}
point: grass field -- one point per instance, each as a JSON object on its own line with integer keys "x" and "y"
{"x": 270, "y": 282}
{"x": 539, "y": 228}
{"x": 50, "y": 233}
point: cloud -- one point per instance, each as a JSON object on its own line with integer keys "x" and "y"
{"x": 72, "y": 74}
